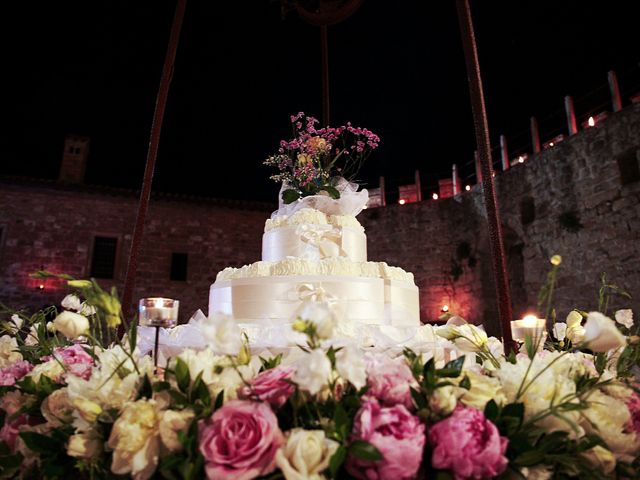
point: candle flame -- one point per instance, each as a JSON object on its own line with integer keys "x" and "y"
{"x": 445, "y": 308}
{"x": 158, "y": 302}
{"x": 591, "y": 122}
{"x": 530, "y": 321}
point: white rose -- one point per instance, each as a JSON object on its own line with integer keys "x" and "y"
{"x": 71, "y": 325}
{"x": 623, "y": 317}
{"x": 540, "y": 472}
{"x": 483, "y": 388}
{"x": 8, "y": 351}
{"x": 560, "y": 331}
{"x": 57, "y": 408}
{"x": 17, "y": 323}
{"x": 305, "y": 455}
{"x": 350, "y": 365}
{"x": 600, "y": 458}
{"x": 313, "y": 371}
{"x": 601, "y": 333}
{"x": 470, "y": 338}
{"x": 71, "y": 302}
{"x": 52, "y": 369}
{"x": 84, "y": 445}
{"x": 443, "y": 400}
{"x": 321, "y": 316}
{"x": 172, "y": 422}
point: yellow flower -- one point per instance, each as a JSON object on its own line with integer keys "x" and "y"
{"x": 87, "y": 409}
{"x": 556, "y": 260}
{"x": 317, "y": 144}
{"x": 303, "y": 159}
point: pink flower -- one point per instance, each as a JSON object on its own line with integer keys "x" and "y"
{"x": 76, "y": 360}
{"x": 469, "y": 445}
{"x": 240, "y": 440}
{"x": 397, "y": 434}
{"x": 271, "y": 386}
{"x": 10, "y": 375}
{"x": 633, "y": 404}
{"x": 390, "y": 380}
{"x": 11, "y": 428}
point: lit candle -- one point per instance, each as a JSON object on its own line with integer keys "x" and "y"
{"x": 158, "y": 312}
{"x": 529, "y": 325}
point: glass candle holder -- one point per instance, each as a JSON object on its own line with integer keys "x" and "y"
{"x": 530, "y": 325}
{"x": 158, "y": 312}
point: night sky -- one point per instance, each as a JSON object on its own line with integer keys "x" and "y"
{"x": 397, "y": 68}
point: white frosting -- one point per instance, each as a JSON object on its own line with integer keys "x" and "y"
{"x": 328, "y": 266}
{"x": 311, "y": 216}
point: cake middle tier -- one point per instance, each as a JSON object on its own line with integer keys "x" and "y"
{"x": 314, "y": 242}
{"x": 275, "y": 300}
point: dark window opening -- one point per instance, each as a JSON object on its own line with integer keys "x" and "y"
{"x": 629, "y": 168}
{"x": 103, "y": 261}
{"x": 178, "y": 267}
{"x": 527, "y": 210}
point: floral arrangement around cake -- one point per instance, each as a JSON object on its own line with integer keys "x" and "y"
{"x": 316, "y": 160}
{"x": 76, "y": 401}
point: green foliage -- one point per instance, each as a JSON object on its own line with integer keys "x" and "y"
{"x": 290, "y": 196}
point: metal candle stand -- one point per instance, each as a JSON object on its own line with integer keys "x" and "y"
{"x": 158, "y": 312}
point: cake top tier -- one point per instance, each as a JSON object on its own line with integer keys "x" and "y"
{"x": 311, "y": 216}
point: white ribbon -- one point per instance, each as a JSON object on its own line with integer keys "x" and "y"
{"x": 321, "y": 241}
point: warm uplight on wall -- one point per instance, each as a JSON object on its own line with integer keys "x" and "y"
{"x": 402, "y": 201}
{"x": 521, "y": 159}
{"x": 467, "y": 188}
{"x": 41, "y": 286}
{"x": 445, "y": 308}
{"x": 434, "y": 196}
{"x": 591, "y": 122}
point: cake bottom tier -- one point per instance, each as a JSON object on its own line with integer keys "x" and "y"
{"x": 275, "y": 300}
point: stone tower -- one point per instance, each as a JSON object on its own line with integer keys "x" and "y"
{"x": 74, "y": 159}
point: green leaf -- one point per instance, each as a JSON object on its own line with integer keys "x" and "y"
{"x": 133, "y": 335}
{"x": 465, "y": 383}
{"x": 289, "y": 196}
{"x": 451, "y": 369}
{"x": 515, "y": 410}
{"x": 332, "y": 191}
{"x": 491, "y": 410}
{"x": 429, "y": 374}
{"x": 200, "y": 391}
{"x": 219, "y": 400}
{"x": 601, "y": 362}
{"x": 364, "y": 451}
{"x": 182, "y": 375}
{"x": 39, "y": 443}
{"x": 341, "y": 421}
{"x": 418, "y": 398}
{"x": 145, "y": 390}
{"x": 530, "y": 458}
{"x": 27, "y": 385}
{"x": 161, "y": 386}
{"x": 337, "y": 459}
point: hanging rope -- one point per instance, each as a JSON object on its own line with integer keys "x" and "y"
{"x": 154, "y": 140}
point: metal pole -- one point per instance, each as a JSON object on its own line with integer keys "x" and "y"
{"x": 476, "y": 161}
{"x": 152, "y": 153}
{"x": 572, "y": 125}
{"x": 504, "y": 153}
{"x": 616, "y": 101}
{"x": 418, "y": 186}
{"x": 455, "y": 180}
{"x": 484, "y": 150}
{"x": 325, "y": 75}
{"x": 535, "y": 135}
{"x": 383, "y": 194}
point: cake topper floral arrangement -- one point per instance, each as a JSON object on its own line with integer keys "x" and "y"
{"x": 313, "y": 161}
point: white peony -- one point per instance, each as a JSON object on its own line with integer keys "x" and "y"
{"x": 601, "y": 333}
{"x": 600, "y": 458}
{"x": 350, "y": 365}
{"x": 625, "y": 317}
{"x": 223, "y": 334}
{"x": 52, "y": 369}
{"x": 71, "y": 302}
{"x": 17, "y": 322}
{"x": 172, "y": 422}
{"x": 322, "y": 317}
{"x": 575, "y": 330}
{"x": 57, "y": 408}
{"x": 71, "y": 325}
{"x": 305, "y": 455}
{"x": 84, "y": 445}
{"x": 483, "y": 388}
{"x": 8, "y": 351}
{"x": 560, "y": 331}
{"x": 313, "y": 371}
{"x": 443, "y": 400}
{"x": 539, "y": 472}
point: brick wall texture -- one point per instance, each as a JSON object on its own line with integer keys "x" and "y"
{"x": 580, "y": 199}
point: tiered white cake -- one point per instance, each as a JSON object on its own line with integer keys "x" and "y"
{"x": 313, "y": 250}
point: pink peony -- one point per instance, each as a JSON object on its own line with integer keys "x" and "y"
{"x": 390, "y": 380}
{"x": 633, "y": 404}
{"x": 469, "y": 445}
{"x": 10, "y": 430}
{"x": 76, "y": 360}
{"x": 240, "y": 440}
{"x": 10, "y": 375}
{"x": 271, "y": 386}
{"x": 400, "y": 437}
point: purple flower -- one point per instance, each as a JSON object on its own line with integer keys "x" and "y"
{"x": 469, "y": 445}
{"x": 398, "y": 435}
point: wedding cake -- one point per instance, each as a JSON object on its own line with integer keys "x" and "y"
{"x": 315, "y": 249}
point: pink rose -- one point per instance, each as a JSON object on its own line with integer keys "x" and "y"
{"x": 469, "y": 445}
{"x": 271, "y": 386}
{"x": 390, "y": 380}
{"x": 76, "y": 360}
{"x": 11, "y": 428}
{"x": 633, "y": 404}
{"x": 240, "y": 440}
{"x": 10, "y": 375}
{"x": 400, "y": 437}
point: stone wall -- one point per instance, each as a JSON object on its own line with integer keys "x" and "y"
{"x": 53, "y": 227}
{"x": 580, "y": 199}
